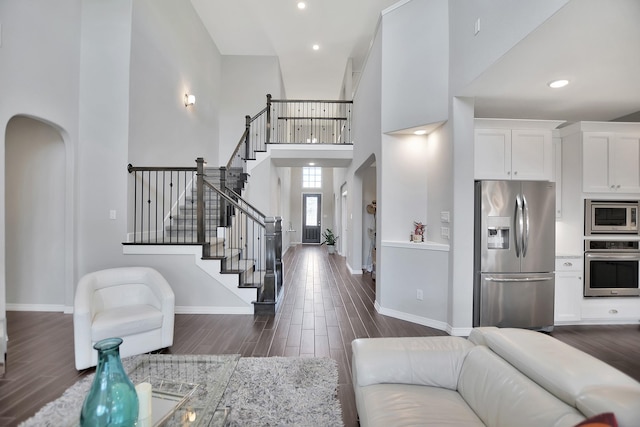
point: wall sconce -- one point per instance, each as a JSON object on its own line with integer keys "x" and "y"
{"x": 189, "y": 99}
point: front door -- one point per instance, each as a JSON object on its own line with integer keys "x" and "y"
{"x": 311, "y": 209}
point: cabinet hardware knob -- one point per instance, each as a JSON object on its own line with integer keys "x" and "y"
{"x": 618, "y": 186}
{"x": 568, "y": 264}
{"x": 515, "y": 173}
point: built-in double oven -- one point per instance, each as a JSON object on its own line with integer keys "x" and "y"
{"x": 611, "y": 268}
{"x": 611, "y": 250}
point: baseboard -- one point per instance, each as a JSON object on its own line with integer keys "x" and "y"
{"x": 183, "y": 309}
{"x": 424, "y": 321}
{"x": 352, "y": 271}
{"x": 37, "y": 307}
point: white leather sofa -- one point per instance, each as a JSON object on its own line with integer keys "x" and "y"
{"x": 133, "y": 303}
{"x": 497, "y": 377}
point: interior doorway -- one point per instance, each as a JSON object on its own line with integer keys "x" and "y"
{"x": 311, "y": 217}
{"x": 35, "y": 200}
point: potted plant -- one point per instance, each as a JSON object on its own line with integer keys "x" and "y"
{"x": 330, "y": 240}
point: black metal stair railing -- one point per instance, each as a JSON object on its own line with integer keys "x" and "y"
{"x": 162, "y": 210}
{"x": 180, "y": 205}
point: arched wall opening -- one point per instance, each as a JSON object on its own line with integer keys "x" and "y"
{"x": 35, "y": 222}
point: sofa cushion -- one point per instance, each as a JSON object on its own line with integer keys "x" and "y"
{"x": 124, "y": 321}
{"x": 431, "y": 361}
{"x": 561, "y": 369}
{"x": 503, "y": 397}
{"x": 399, "y": 405}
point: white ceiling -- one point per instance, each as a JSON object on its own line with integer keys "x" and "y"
{"x": 593, "y": 43}
{"x": 342, "y": 28}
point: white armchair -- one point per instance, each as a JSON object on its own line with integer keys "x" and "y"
{"x": 133, "y": 303}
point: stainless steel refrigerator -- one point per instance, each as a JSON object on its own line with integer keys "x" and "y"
{"x": 514, "y": 254}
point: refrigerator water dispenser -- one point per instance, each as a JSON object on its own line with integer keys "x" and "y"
{"x": 498, "y": 238}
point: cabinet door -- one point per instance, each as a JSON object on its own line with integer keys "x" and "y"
{"x": 624, "y": 164}
{"x": 568, "y": 297}
{"x": 531, "y": 154}
{"x": 595, "y": 162}
{"x": 492, "y": 154}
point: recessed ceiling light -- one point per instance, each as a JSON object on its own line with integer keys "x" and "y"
{"x": 301, "y": 5}
{"x": 316, "y": 47}
{"x": 556, "y": 84}
{"x": 420, "y": 132}
{"x": 311, "y": 164}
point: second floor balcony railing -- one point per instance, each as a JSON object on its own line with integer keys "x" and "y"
{"x": 309, "y": 122}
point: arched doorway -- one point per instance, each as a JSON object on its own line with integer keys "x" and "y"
{"x": 35, "y": 200}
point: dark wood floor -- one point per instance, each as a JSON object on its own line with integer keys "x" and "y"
{"x": 323, "y": 310}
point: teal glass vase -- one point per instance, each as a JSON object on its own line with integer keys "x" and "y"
{"x": 112, "y": 400}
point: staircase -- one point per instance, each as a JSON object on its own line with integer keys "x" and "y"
{"x": 204, "y": 206}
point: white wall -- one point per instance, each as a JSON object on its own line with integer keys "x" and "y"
{"x": 439, "y": 166}
{"x": 103, "y": 133}
{"x": 41, "y": 46}
{"x": 35, "y": 210}
{"x": 247, "y": 81}
{"x": 367, "y": 136}
{"x": 503, "y": 23}
{"x": 172, "y": 54}
{"x": 415, "y": 64}
{"x": 414, "y": 268}
{"x": 404, "y": 185}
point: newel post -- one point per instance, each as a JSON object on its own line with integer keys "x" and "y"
{"x": 269, "y": 288}
{"x": 268, "y": 130}
{"x": 222, "y": 206}
{"x": 200, "y": 206}
{"x": 247, "y": 139}
{"x": 278, "y": 254}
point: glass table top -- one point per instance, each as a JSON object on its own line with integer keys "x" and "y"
{"x": 187, "y": 389}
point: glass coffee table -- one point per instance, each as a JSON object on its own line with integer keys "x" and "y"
{"x": 186, "y": 389}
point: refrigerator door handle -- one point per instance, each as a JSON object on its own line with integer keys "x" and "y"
{"x": 525, "y": 230}
{"x": 525, "y": 279}
{"x": 517, "y": 225}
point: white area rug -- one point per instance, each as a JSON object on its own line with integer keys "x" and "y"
{"x": 284, "y": 391}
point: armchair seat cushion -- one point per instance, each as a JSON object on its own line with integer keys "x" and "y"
{"x": 125, "y": 321}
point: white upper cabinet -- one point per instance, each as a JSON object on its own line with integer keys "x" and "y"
{"x": 514, "y": 149}
{"x": 610, "y": 162}
{"x": 492, "y": 158}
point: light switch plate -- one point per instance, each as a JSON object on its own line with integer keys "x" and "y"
{"x": 445, "y": 216}
{"x": 444, "y": 232}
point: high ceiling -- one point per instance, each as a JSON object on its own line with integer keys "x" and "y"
{"x": 343, "y": 29}
{"x": 593, "y": 43}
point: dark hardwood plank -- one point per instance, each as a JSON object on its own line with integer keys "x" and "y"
{"x": 323, "y": 309}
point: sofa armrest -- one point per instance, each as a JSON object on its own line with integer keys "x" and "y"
{"x": 430, "y": 361}
{"x": 621, "y": 400}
